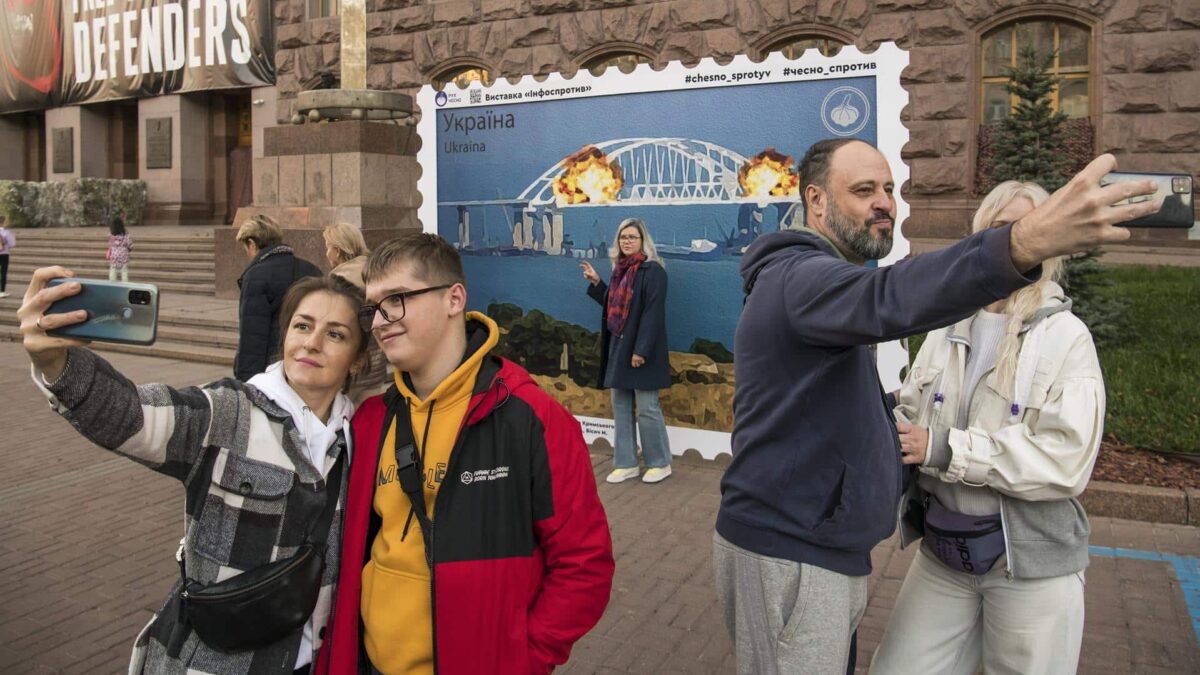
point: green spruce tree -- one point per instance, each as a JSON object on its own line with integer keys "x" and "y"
{"x": 1028, "y": 146}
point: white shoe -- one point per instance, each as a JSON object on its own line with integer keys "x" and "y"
{"x": 656, "y": 474}
{"x": 621, "y": 475}
{"x": 3, "y": 295}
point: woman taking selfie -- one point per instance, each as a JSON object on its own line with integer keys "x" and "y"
{"x": 263, "y": 465}
{"x": 1003, "y": 413}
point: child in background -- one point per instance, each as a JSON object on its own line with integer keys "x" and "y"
{"x": 119, "y": 246}
{"x": 7, "y": 242}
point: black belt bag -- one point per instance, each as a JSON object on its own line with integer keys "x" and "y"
{"x": 266, "y": 604}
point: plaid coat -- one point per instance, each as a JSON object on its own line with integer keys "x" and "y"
{"x": 251, "y": 493}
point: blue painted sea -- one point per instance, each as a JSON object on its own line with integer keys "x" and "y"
{"x": 704, "y": 299}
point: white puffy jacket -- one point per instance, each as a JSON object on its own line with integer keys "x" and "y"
{"x": 1035, "y": 445}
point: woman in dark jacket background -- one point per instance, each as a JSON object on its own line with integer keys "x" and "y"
{"x": 272, "y": 270}
{"x": 633, "y": 357}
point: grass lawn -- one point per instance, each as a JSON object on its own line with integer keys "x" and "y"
{"x": 1153, "y": 381}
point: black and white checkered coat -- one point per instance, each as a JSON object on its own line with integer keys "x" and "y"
{"x": 252, "y": 495}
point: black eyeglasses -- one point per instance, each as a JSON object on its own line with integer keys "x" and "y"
{"x": 391, "y": 307}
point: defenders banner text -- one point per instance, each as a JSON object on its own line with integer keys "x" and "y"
{"x": 60, "y": 52}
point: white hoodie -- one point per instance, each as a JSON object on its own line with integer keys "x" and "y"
{"x": 315, "y": 438}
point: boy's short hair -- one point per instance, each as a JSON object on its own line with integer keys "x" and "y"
{"x": 433, "y": 259}
{"x": 262, "y": 230}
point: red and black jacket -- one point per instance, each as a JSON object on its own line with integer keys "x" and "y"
{"x": 522, "y": 567}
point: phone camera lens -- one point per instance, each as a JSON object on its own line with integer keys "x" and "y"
{"x": 1180, "y": 185}
{"x": 139, "y": 297}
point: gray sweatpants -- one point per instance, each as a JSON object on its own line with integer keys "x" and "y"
{"x": 786, "y": 617}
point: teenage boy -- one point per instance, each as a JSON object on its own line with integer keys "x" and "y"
{"x": 474, "y": 538}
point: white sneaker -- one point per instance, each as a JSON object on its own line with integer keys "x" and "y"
{"x": 3, "y": 295}
{"x": 621, "y": 475}
{"x": 657, "y": 474}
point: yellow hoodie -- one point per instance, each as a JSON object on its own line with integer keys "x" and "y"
{"x": 396, "y": 593}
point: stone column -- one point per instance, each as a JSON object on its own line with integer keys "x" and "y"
{"x": 89, "y": 136}
{"x": 12, "y": 136}
{"x": 180, "y": 192}
{"x": 313, "y": 175}
{"x": 354, "y": 44}
{"x": 263, "y": 102}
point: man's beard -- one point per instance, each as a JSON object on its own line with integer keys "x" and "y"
{"x": 858, "y": 238}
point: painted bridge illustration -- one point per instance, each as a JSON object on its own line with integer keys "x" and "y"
{"x": 656, "y": 172}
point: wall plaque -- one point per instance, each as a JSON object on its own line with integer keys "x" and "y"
{"x": 158, "y": 143}
{"x": 62, "y": 147}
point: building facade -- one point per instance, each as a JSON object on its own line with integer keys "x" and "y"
{"x": 1130, "y": 83}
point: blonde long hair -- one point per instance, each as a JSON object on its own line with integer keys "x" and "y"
{"x": 347, "y": 240}
{"x": 1027, "y": 301}
{"x": 647, "y": 243}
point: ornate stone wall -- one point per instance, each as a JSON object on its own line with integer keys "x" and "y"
{"x": 1145, "y": 92}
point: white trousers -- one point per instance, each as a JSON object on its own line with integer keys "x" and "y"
{"x": 950, "y": 623}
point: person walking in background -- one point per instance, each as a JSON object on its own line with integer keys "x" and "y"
{"x": 346, "y": 251}
{"x": 1003, "y": 412}
{"x": 265, "y": 464}
{"x": 7, "y": 242}
{"x": 273, "y": 268}
{"x": 120, "y": 244}
{"x": 633, "y": 350}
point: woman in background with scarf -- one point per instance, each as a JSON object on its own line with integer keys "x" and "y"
{"x": 633, "y": 357}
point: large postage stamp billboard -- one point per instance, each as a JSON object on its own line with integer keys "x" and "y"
{"x": 530, "y": 179}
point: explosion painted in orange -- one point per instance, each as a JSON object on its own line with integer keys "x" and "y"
{"x": 588, "y": 178}
{"x": 769, "y": 174}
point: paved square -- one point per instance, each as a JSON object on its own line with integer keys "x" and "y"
{"x": 87, "y": 539}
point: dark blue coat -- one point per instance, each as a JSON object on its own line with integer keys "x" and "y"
{"x": 645, "y": 332}
{"x": 264, "y": 283}
{"x": 816, "y": 472}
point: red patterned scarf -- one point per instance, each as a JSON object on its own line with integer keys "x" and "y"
{"x": 620, "y": 291}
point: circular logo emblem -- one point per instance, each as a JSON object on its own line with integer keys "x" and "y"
{"x": 467, "y": 477}
{"x": 440, "y": 98}
{"x": 845, "y": 111}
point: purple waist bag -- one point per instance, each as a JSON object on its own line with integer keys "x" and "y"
{"x": 964, "y": 543}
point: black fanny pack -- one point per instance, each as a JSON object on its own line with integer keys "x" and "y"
{"x": 964, "y": 543}
{"x": 266, "y": 604}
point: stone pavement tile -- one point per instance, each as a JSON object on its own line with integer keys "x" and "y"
{"x": 1135, "y": 535}
{"x": 86, "y": 541}
{"x": 1177, "y": 539}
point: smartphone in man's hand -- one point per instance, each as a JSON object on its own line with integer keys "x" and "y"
{"x": 1174, "y": 194}
{"x": 121, "y": 312}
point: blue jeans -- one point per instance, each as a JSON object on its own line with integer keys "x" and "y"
{"x": 656, "y": 449}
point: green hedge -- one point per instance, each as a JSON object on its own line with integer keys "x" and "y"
{"x": 79, "y": 202}
{"x": 1152, "y": 376}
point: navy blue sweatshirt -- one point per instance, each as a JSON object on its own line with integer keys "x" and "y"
{"x": 816, "y": 472}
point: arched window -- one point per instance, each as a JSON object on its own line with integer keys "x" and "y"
{"x": 1069, "y": 41}
{"x": 462, "y": 76}
{"x": 793, "y": 47}
{"x": 623, "y": 61}
{"x": 322, "y": 8}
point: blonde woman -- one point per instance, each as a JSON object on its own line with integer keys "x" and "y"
{"x": 1003, "y": 413}
{"x": 633, "y": 350}
{"x": 346, "y": 251}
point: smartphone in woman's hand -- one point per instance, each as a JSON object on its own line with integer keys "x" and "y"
{"x": 117, "y": 311}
